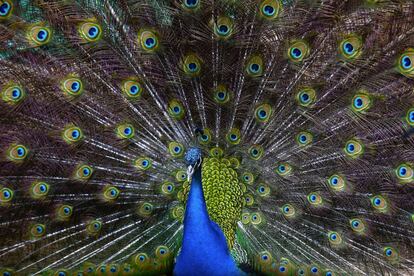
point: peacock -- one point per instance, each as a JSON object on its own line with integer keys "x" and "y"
{"x": 206, "y": 137}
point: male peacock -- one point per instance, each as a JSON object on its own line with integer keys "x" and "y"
{"x": 206, "y": 137}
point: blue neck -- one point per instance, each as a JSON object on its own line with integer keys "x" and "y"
{"x": 204, "y": 250}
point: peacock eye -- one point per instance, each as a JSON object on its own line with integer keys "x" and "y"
{"x": 265, "y": 258}
{"x": 39, "y": 190}
{"x": 83, "y": 172}
{"x": 247, "y": 178}
{"x": 353, "y": 148}
{"x": 288, "y": 210}
{"x": 304, "y": 138}
{"x": 254, "y": 66}
{"x": 191, "y": 3}
{"x": 132, "y": 89}
{"x": 336, "y": 182}
{"x": 298, "y": 51}
{"x": 17, "y": 153}
{"x": 379, "y": 203}
{"x": 111, "y": 193}
{"x": 223, "y": 28}
{"x": 125, "y": 131}
{"x": 39, "y": 35}
{"x": 72, "y": 86}
{"x": 262, "y": 113}
{"x": 176, "y": 109}
{"x": 233, "y": 136}
{"x": 221, "y": 94}
{"x": 255, "y": 152}
{"x": 255, "y": 218}
{"x": 90, "y": 32}
{"x": 5, "y": 9}
{"x": 143, "y": 163}
{"x": 13, "y": 94}
{"x": 410, "y": 117}
{"x": 404, "y": 173}
{"x": 38, "y": 230}
{"x": 64, "y": 212}
{"x": 72, "y": 134}
{"x": 406, "y": 63}
{"x": 176, "y": 149}
{"x": 270, "y": 9}
{"x": 148, "y": 40}
{"x": 361, "y": 101}
{"x": 315, "y": 199}
{"x": 306, "y": 97}
{"x": 6, "y": 195}
{"x": 283, "y": 169}
{"x": 314, "y": 269}
{"x": 351, "y": 47}
{"x": 191, "y": 65}
{"x": 167, "y": 188}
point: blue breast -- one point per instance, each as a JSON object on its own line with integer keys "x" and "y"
{"x": 204, "y": 250}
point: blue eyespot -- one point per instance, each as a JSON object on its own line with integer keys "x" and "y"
{"x": 254, "y": 67}
{"x": 5, "y": 9}
{"x": 75, "y": 86}
{"x": 177, "y": 149}
{"x": 113, "y": 192}
{"x": 313, "y": 198}
{"x": 113, "y": 269}
{"x": 16, "y": 93}
{"x": 142, "y": 258}
{"x": 221, "y": 95}
{"x": 66, "y": 210}
{"x": 296, "y": 53}
{"x": 333, "y": 237}
{"x": 355, "y": 223}
{"x": 169, "y": 187}
{"x": 328, "y": 273}
{"x": 377, "y": 201}
{"x": 402, "y": 171}
{"x": 268, "y": 10}
{"x": 127, "y": 131}
{"x": 265, "y": 257}
{"x": 20, "y": 151}
{"x": 93, "y": 32}
{"x": 348, "y": 48}
{"x": 406, "y": 62}
{"x": 176, "y": 109}
{"x": 302, "y": 138}
{"x": 388, "y": 252}
{"x": 150, "y": 42}
{"x": 42, "y": 35}
{"x": 134, "y": 89}
{"x": 61, "y": 273}
{"x": 305, "y": 97}
{"x": 6, "y": 194}
{"x": 162, "y": 251}
{"x": 86, "y": 171}
{"x": 282, "y": 269}
{"x": 262, "y": 189}
{"x": 96, "y": 225}
{"x": 262, "y": 114}
{"x": 282, "y": 168}
{"x": 42, "y": 188}
{"x": 233, "y": 137}
{"x": 411, "y": 116}
{"x": 103, "y": 269}
{"x": 351, "y": 147}
{"x": 192, "y": 67}
{"x": 314, "y": 269}
{"x": 75, "y": 134}
{"x": 191, "y": 3}
{"x": 223, "y": 29}
{"x": 286, "y": 209}
{"x": 358, "y": 102}
{"x": 39, "y": 229}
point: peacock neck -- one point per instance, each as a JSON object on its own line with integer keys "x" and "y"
{"x": 204, "y": 249}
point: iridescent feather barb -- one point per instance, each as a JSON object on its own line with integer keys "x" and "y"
{"x": 283, "y": 130}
